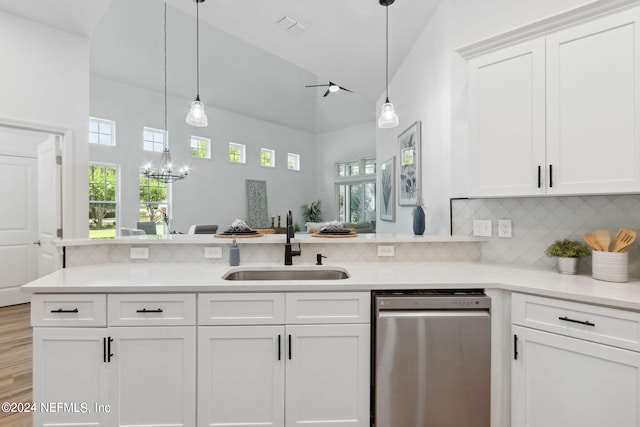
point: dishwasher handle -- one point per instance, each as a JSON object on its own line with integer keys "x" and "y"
{"x": 432, "y": 313}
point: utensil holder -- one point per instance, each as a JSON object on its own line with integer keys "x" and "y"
{"x": 610, "y": 266}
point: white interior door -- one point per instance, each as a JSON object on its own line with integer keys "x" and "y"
{"x": 18, "y": 227}
{"x": 49, "y": 201}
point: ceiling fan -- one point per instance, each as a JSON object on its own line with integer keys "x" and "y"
{"x": 332, "y": 87}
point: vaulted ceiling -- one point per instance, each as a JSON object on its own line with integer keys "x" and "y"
{"x": 248, "y": 64}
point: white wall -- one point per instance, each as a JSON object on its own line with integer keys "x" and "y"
{"x": 45, "y": 83}
{"x": 214, "y": 192}
{"x": 430, "y": 86}
{"x": 343, "y": 145}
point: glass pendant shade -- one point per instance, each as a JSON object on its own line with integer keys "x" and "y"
{"x": 388, "y": 117}
{"x": 197, "y": 116}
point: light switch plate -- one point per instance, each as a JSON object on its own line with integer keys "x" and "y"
{"x": 504, "y": 228}
{"x": 139, "y": 253}
{"x": 386, "y": 251}
{"x": 482, "y": 227}
{"x": 212, "y": 252}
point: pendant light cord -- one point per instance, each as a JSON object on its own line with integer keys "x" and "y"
{"x": 198, "y": 49}
{"x": 387, "y": 57}
{"x": 165, "y": 75}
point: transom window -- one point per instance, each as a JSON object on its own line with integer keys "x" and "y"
{"x": 102, "y": 132}
{"x": 293, "y": 161}
{"x": 154, "y": 139}
{"x": 102, "y": 201}
{"x": 237, "y": 153}
{"x": 267, "y": 157}
{"x": 357, "y": 167}
{"x": 200, "y": 147}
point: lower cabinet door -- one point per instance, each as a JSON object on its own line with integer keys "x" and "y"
{"x": 241, "y": 376}
{"x": 70, "y": 377}
{"x": 558, "y": 381}
{"x": 153, "y": 376}
{"x": 328, "y": 375}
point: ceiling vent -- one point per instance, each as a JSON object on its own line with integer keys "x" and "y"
{"x": 291, "y": 26}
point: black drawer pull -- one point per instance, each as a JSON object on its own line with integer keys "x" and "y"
{"x": 539, "y": 176}
{"x": 75, "y": 310}
{"x": 550, "y": 176}
{"x": 289, "y": 346}
{"x": 582, "y": 322}
{"x": 144, "y": 310}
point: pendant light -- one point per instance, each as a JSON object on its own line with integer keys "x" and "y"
{"x": 197, "y": 116}
{"x": 165, "y": 173}
{"x": 388, "y": 117}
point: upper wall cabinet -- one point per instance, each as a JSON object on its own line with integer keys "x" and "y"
{"x": 558, "y": 114}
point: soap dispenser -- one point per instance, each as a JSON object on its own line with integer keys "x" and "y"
{"x": 234, "y": 254}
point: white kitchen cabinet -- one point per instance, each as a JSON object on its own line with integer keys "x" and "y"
{"x": 69, "y": 368}
{"x": 593, "y": 90}
{"x": 249, "y": 374}
{"x": 152, "y": 378}
{"x": 114, "y": 376}
{"x": 328, "y": 375}
{"x": 506, "y": 121}
{"x": 564, "y": 374}
{"x": 241, "y": 376}
{"x": 558, "y": 115}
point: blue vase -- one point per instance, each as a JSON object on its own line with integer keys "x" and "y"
{"x": 418, "y": 221}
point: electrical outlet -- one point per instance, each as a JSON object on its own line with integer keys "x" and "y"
{"x": 212, "y": 252}
{"x": 386, "y": 251}
{"x": 504, "y": 228}
{"x": 482, "y": 227}
{"x": 139, "y": 253}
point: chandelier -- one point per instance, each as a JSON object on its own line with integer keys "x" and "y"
{"x": 165, "y": 173}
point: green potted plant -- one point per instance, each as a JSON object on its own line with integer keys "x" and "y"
{"x": 567, "y": 253}
{"x": 312, "y": 212}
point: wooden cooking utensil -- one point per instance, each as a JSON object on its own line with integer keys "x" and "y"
{"x": 603, "y": 238}
{"x": 624, "y": 239}
{"x": 590, "y": 238}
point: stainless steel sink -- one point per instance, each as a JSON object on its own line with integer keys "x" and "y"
{"x": 287, "y": 274}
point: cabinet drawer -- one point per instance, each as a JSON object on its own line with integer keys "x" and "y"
{"x": 328, "y": 307}
{"x": 152, "y": 309}
{"x": 241, "y": 309}
{"x": 68, "y": 310}
{"x": 620, "y": 328}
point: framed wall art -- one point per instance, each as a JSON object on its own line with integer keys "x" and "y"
{"x": 388, "y": 191}
{"x": 409, "y": 166}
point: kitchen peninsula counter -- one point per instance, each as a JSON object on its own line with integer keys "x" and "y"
{"x": 202, "y": 277}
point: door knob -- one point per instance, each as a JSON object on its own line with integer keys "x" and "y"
{"x": 37, "y": 243}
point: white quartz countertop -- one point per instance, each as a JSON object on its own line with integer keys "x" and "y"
{"x": 208, "y": 239}
{"x": 185, "y": 277}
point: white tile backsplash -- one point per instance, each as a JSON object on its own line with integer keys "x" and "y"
{"x": 538, "y": 221}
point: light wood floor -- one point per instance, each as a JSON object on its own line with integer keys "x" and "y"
{"x": 16, "y": 357}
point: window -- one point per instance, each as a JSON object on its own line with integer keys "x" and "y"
{"x": 102, "y": 132}
{"x": 267, "y": 158}
{"x": 236, "y": 153}
{"x": 356, "y": 187}
{"x": 293, "y": 161}
{"x": 357, "y": 202}
{"x": 102, "y": 201}
{"x": 154, "y": 139}
{"x": 200, "y": 147}
{"x": 154, "y": 200}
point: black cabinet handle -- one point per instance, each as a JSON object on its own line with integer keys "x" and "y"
{"x": 550, "y": 176}
{"x": 144, "y": 310}
{"x": 515, "y": 347}
{"x": 279, "y": 347}
{"x": 109, "y": 354}
{"x": 289, "y": 346}
{"x": 539, "y": 176}
{"x": 104, "y": 349}
{"x": 75, "y": 310}
{"x": 582, "y": 322}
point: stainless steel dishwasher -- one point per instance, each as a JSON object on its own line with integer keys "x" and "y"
{"x": 432, "y": 359}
